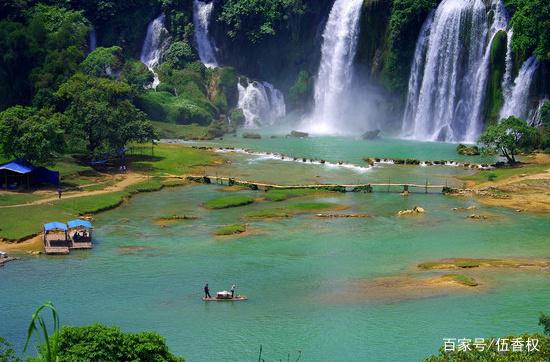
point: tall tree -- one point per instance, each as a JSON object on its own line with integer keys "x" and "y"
{"x": 100, "y": 110}
{"x": 507, "y": 137}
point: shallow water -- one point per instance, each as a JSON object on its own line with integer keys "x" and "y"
{"x": 141, "y": 276}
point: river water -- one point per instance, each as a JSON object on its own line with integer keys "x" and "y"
{"x": 307, "y": 278}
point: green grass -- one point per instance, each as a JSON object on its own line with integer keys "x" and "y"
{"x": 292, "y": 209}
{"x": 20, "y": 222}
{"x": 462, "y": 279}
{"x": 181, "y": 131}
{"x": 267, "y": 214}
{"x": 171, "y": 160}
{"x": 284, "y": 194}
{"x": 503, "y": 173}
{"x": 229, "y": 201}
{"x": 16, "y": 198}
{"x": 231, "y": 229}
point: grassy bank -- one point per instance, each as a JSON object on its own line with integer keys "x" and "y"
{"x": 21, "y": 220}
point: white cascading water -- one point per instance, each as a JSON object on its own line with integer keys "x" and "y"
{"x": 153, "y": 46}
{"x": 205, "y": 46}
{"x": 92, "y": 40}
{"x": 417, "y": 71}
{"x": 517, "y": 103}
{"x": 446, "y": 105}
{"x": 535, "y": 116}
{"x": 336, "y": 68}
{"x": 261, "y": 103}
{"x": 509, "y": 61}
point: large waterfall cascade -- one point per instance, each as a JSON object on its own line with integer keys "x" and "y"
{"x": 450, "y": 71}
{"x": 517, "y": 101}
{"x": 332, "y": 85}
{"x": 261, "y": 103}
{"x": 205, "y": 45}
{"x": 153, "y": 46}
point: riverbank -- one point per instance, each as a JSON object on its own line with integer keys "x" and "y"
{"x": 23, "y": 213}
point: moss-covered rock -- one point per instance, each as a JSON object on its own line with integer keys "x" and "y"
{"x": 165, "y": 107}
{"x": 497, "y": 67}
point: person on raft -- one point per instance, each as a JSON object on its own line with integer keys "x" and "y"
{"x": 207, "y": 291}
{"x": 233, "y": 290}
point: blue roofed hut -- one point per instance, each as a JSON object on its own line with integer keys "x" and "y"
{"x": 56, "y": 240}
{"x": 80, "y": 234}
{"x": 21, "y": 173}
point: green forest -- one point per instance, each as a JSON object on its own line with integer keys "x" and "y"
{"x": 56, "y": 95}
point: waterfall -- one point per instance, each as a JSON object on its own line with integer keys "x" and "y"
{"x": 262, "y": 104}
{"x": 507, "y": 79}
{"x": 92, "y": 40}
{"x": 535, "y": 116}
{"x": 336, "y": 68}
{"x": 517, "y": 103}
{"x": 417, "y": 71}
{"x": 201, "y": 19}
{"x": 446, "y": 106}
{"x": 153, "y": 46}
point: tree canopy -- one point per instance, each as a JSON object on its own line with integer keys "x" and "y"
{"x": 35, "y": 135}
{"x": 507, "y": 137}
{"x": 100, "y": 112}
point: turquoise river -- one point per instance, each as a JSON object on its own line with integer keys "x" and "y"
{"x": 322, "y": 286}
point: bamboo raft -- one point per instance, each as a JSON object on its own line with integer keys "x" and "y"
{"x": 234, "y": 299}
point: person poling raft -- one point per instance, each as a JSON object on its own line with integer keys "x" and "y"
{"x": 223, "y": 295}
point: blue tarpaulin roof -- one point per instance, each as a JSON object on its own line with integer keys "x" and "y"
{"x": 80, "y": 223}
{"x": 36, "y": 175}
{"x": 19, "y": 166}
{"x": 56, "y": 225}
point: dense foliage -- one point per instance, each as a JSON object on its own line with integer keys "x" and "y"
{"x": 101, "y": 343}
{"x": 32, "y": 134}
{"x": 257, "y": 19}
{"x": 507, "y": 137}
{"x": 531, "y": 24}
{"x": 407, "y": 17}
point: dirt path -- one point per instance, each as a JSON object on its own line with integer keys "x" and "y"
{"x": 129, "y": 179}
{"x": 32, "y": 244}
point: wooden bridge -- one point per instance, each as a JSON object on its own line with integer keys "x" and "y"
{"x": 368, "y": 187}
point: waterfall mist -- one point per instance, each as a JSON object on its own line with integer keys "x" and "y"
{"x": 153, "y": 46}
{"x": 205, "y": 45}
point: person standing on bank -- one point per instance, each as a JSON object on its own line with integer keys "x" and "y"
{"x": 233, "y": 290}
{"x": 207, "y": 291}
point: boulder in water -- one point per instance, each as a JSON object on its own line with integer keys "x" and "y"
{"x": 252, "y": 135}
{"x": 416, "y": 210}
{"x": 466, "y": 150}
{"x": 298, "y": 134}
{"x": 371, "y": 135}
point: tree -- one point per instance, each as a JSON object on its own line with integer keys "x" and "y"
{"x": 100, "y": 111}
{"x": 545, "y": 123}
{"x": 35, "y": 135}
{"x": 101, "y": 343}
{"x": 507, "y": 137}
{"x": 104, "y": 62}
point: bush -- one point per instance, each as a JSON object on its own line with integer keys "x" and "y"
{"x": 100, "y": 343}
{"x": 104, "y": 62}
